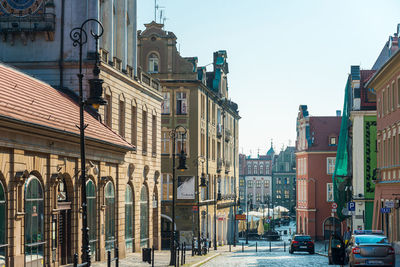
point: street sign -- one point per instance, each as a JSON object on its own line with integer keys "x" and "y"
{"x": 333, "y": 210}
{"x": 351, "y": 206}
{"x": 195, "y": 208}
{"x": 385, "y": 210}
{"x": 241, "y": 217}
{"x": 268, "y": 220}
{"x": 389, "y": 204}
{"x": 334, "y": 205}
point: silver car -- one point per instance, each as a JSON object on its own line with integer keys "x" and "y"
{"x": 368, "y": 248}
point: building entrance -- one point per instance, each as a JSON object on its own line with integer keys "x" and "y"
{"x": 64, "y": 233}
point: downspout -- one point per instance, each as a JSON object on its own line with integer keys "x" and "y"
{"x": 207, "y": 153}
{"x": 235, "y": 187}
{"x": 61, "y": 59}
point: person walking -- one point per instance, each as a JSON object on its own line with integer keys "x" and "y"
{"x": 347, "y": 235}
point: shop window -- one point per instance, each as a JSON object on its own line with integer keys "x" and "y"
{"x": 129, "y": 221}
{"x": 92, "y": 216}
{"x": 110, "y": 216}
{"x": 34, "y": 222}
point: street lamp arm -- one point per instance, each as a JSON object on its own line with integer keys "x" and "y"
{"x": 79, "y": 36}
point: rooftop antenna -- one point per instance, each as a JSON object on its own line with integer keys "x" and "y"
{"x": 164, "y": 19}
{"x": 156, "y": 7}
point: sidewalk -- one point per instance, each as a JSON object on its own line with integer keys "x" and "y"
{"x": 162, "y": 258}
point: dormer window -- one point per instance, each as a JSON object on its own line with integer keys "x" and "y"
{"x": 332, "y": 141}
{"x": 153, "y": 63}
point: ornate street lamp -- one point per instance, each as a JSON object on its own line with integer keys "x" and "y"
{"x": 202, "y": 184}
{"x": 181, "y": 167}
{"x": 79, "y": 37}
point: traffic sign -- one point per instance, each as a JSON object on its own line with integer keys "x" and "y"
{"x": 333, "y": 210}
{"x": 334, "y": 205}
{"x": 351, "y": 206}
{"x": 389, "y": 204}
{"x": 385, "y": 210}
{"x": 268, "y": 220}
{"x": 195, "y": 208}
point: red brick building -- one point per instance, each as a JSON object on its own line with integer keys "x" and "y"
{"x": 316, "y": 144}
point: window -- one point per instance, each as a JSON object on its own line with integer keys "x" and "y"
{"x": 329, "y": 192}
{"x": 213, "y": 113}
{"x": 202, "y": 106}
{"x": 121, "y": 121}
{"x": 287, "y": 181}
{"x": 398, "y": 92}
{"x": 166, "y": 188}
{"x": 153, "y": 63}
{"x": 393, "y": 98}
{"x": 258, "y": 197}
{"x": 144, "y": 132}
{"x": 258, "y": 182}
{"x": 213, "y": 149}
{"x": 266, "y": 184}
{"x": 144, "y": 217}
{"x": 241, "y": 182}
{"x": 261, "y": 169}
{"x": 179, "y": 145}
{"x": 202, "y": 144}
{"x": 279, "y": 181}
{"x": 278, "y": 193}
{"x": 3, "y": 223}
{"x": 134, "y": 126}
{"x": 165, "y": 142}
{"x": 107, "y": 111}
{"x": 332, "y": 141}
{"x": 129, "y": 221}
{"x": 249, "y": 183}
{"x": 91, "y": 211}
{"x": 287, "y": 194}
{"x": 110, "y": 215}
{"x": 165, "y": 104}
{"x": 34, "y": 221}
{"x": 181, "y": 103}
{"x": 250, "y": 197}
{"x": 255, "y": 170}
{"x": 154, "y": 135}
{"x": 330, "y": 165}
{"x": 248, "y": 169}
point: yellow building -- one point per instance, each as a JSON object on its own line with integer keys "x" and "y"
{"x": 198, "y": 101}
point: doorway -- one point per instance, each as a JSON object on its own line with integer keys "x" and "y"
{"x": 64, "y": 233}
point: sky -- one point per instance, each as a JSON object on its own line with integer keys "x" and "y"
{"x": 281, "y": 54}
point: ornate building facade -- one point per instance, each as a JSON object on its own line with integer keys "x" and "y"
{"x": 198, "y": 101}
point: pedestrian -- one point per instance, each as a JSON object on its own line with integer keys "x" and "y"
{"x": 347, "y": 235}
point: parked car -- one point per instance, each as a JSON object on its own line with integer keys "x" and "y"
{"x": 370, "y": 248}
{"x": 302, "y": 243}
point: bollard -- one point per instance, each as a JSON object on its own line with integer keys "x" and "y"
{"x": 270, "y": 246}
{"x": 192, "y": 247}
{"x": 177, "y": 259}
{"x": 284, "y": 246}
{"x": 75, "y": 259}
{"x": 184, "y": 253}
{"x": 108, "y": 258}
{"x": 256, "y": 246}
{"x": 229, "y": 247}
{"x": 152, "y": 257}
{"x": 242, "y": 247}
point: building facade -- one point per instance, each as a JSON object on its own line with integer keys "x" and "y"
{"x": 316, "y": 145}
{"x": 45, "y": 50}
{"x": 256, "y": 181}
{"x": 195, "y": 104}
{"x": 284, "y": 180}
{"x": 386, "y": 84}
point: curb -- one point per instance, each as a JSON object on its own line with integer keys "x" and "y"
{"x": 321, "y": 254}
{"x": 205, "y": 260}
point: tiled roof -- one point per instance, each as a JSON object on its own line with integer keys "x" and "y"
{"x": 29, "y": 100}
{"x": 321, "y": 128}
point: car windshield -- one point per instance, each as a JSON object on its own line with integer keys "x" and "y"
{"x": 371, "y": 239}
{"x": 302, "y": 238}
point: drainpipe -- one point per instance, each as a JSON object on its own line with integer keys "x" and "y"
{"x": 61, "y": 60}
{"x": 207, "y": 153}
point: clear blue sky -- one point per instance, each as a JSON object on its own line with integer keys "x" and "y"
{"x": 281, "y": 53}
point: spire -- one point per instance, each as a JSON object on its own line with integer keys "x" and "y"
{"x": 271, "y": 151}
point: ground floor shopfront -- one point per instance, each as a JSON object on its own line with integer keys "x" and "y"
{"x": 387, "y": 194}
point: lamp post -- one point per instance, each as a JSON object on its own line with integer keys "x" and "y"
{"x": 79, "y": 37}
{"x": 182, "y": 166}
{"x": 217, "y": 196}
{"x": 202, "y": 184}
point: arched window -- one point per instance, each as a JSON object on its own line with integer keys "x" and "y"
{"x": 144, "y": 217}
{"x": 91, "y": 211}
{"x": 153, "y": 63}
{"x": 3, "y": 223}
{"x": 110, "y": 215}
{"x": 261, "y": 169}
{"x": 129, "y": 219}
{"x": 34, "y": 222}
{"x": 255, "y": 170}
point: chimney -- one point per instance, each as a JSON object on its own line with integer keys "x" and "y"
{"x": 338, "y": 113}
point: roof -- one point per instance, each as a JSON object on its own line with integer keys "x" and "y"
{"x": 28, "y": 100}
{"x": 321, "y": 128}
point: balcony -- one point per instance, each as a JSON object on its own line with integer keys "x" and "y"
{"x": 228, "y": 135}
{"x": 219, "y": 130}
{"x": 219, "y": 165}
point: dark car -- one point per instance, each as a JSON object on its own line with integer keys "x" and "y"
{"x": 336, "y": 250}
{"x": 370, "y": 248}
{"x": 302, "y": 243}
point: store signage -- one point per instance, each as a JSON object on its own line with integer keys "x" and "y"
{"x": 241, "y": 217}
